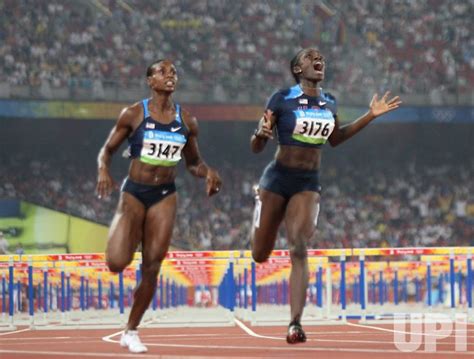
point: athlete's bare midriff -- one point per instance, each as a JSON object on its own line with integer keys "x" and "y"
{"x": 144, "y": 173}
{"x": 298, "y": 157}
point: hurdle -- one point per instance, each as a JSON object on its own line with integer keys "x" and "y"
{"x": 402, "y": 287}
{"x": 366, "y": 284}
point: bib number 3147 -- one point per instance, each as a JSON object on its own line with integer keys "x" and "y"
{"x": 162, "y": 150}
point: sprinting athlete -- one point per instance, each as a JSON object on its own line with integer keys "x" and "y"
{"x": 305, "y": 118}
{"x": 159, "y": 132}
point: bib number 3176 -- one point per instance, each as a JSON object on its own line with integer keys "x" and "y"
{"x": 314, "y": 128}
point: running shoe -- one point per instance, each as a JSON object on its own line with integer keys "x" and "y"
{"x": 131, "y": 340}
{"x": 295, "y": 333}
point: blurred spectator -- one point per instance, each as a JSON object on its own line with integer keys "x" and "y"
{"x": 19, "y": 249}
{"x": 400, "y": 204}
{"x": 238, "y": 50}
{"x": 3, "y": 244}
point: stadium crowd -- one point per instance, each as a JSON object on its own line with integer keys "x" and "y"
{"x": 411, "y": 204}
{"x": 230, "y": 47}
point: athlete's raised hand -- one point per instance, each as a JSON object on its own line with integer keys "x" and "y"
{"x": 264, "y": 129}
{"x": 213, "y": 182}
{"x": 379, "y": 107}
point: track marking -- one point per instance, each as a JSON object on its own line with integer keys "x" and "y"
{"x": 163, "y": 336}
{"x": 286, "y": 348}
{"x": 252, "y": 333}
{"x": 48, "y": 344}
{"x": 393, "y": 330}
{"x": 83, "y": 354}
{"x": 14, "y": 332}
{"x": 362, "y": 334}
{"x": 108, "y": 337}
{"x": 368, "y": 341}
{"x": 302, "y": 349}
{"x": 41, "y": 338}
{"x": 182, "y": 335}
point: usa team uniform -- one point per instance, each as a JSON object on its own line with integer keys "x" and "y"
{"x": 304, "y": 121}
{"x": 156, "y": 144}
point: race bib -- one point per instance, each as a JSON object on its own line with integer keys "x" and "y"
{"x": 162, "y": 148}
{"x": 313, "y": 126}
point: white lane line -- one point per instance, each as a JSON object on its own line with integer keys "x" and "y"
{"x": 164, "y": 336}
{"x": 14, "y": 332}
{"x": 366, "y": 333}
{"x": 2, "y": 340}
{"x": 183, "y": 340}
{"x": 252, "y": 333}
{"x": 80, "y": 354}
{"x": 108, "y": 338}
{"x": 366, "y": 342}
{"x": 394, "y": 331}
{"x": 293, "y": 348}
{"x": 182, "y": 335}
{"x": 357, "y": 333}
{"x": 49, "y": 344}
{"x": 285, "y": 348}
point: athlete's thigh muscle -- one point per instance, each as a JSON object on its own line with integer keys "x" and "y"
{"x": 301, "y": 215}
{"x": 269, "y": 212}
{"x": 159, "y": 222}
{"x": 125, "y": 231}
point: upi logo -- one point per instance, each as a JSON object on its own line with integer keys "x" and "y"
{"x": 430, "y": 328}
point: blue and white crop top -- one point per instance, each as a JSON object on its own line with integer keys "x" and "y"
{"x": 303, "y": 120}
{"x": 156, "y": 143}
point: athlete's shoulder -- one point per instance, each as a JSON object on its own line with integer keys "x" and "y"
{"x": 330, "y": 100}
{"x": 291, "y": 92}
{"x": 189, "y": 120}
{"x": 281, "y": 91}
{"x": 132, "y": 111}
{"x": 185, "y": 114}
{"x": 280, "y": 96}
{"x": 329, "y": 97}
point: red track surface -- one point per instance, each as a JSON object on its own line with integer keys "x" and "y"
{"x": 341, "y": 341}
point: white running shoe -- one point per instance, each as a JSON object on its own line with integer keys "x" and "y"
{"x": 131, "y": 340}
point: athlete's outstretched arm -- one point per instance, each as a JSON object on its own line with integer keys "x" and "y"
{"x": 263, "y": 132}
{"x": 376, "y": 108}
{"x": 194, "y": 162}
{"x": 117, "y": 135}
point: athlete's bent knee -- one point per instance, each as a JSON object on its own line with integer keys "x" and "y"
{"x": 298, "y": 251}
{"x": 150, "y": 273}
{"x": 116, "y": 265}
{"x": 155, "y": 258}
{"x": 260, "y": 257}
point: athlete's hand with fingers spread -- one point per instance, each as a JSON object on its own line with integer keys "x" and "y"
{"x": 105, "y": 184}
{"x": 379, "y": 107}
{"x": 213, "y": 182}
{"x": 265, "y": 126}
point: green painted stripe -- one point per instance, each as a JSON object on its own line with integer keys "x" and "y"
{"x": 314, "y": 141}
{"x": 159, "y": 162}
